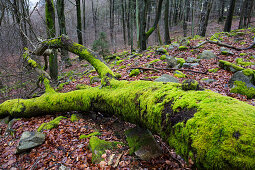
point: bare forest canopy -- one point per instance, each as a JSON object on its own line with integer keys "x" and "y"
{"x": 39, "y": 56}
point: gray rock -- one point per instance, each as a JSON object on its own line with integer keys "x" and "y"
{"x": 171, "y": 47}
{"x": 207, "y": 54}
{"x": 226, "y": 51}
{"x": 9, "y": 130}
{"x": 161, "y": 50}
{"x": 239, "y": 76}
{"x": 63, "y": 167}
{"x": 95, "y": 79}
{"x": 142, "y": 143}
{"x": 5, "y": 120}
{"x": 192, "y": 60}
{"x": 166, "y": 78}
{"x": 171, "y": 61}
{"x": 209, "y": 81}
{"x": 175, "y": 44}
{"x": 190, "y": 65}
{"x": 30, "y": 140}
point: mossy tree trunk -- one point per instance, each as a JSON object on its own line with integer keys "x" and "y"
{"x": 51, "y": 32}
{"x": 215, "y": 131}
{"x": 79, "y": 26}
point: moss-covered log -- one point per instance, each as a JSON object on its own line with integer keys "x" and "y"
{"x": 214, "y": 130}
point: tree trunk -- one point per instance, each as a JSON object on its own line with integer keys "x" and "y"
{"x": 215, "y": 131}
{"x": 143, "y": 35}
{"x": 51, "y": 33}
{"x": 79, "y": 26}
{"x": 204, "y": 17}
{"x": 221, "y": 13}
{"x": 185, "y": 17}
{"x": 228, "y": 23}
{"x": 62, "y": 30}
{"x": 123, "y": 21}
{"x": 166, "y": 23}
{"x": 84, "y": 18}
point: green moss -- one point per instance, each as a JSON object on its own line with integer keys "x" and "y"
{"x": 241, "y": 88}
{"x": 224, "y": 52}
{"x": 50, "y": 125}
{"x": 179, "y": 74}
{"x": 118, "y": 75}
{"x": 117, "y": 58}
{"x": 190, "y": 85}
{"x": 216, "y": 37}
{"x": 122, "y": 67}
{"x": 90, "y": 135}
{"x": 98, "y": 148}
{"x": 74, "y": 118}
{"x": 84, "y": 65}
{"x": 134, "y": 72}
{"x": 229, "y": 66}
{"x": 196, "y": 37}
{"x": 183, "y": 48}
{"x": 154, "y": 61}
{"x": 210, "y": 136}
{"x": 248, "y": 72}
{"x": 243, "y": 63}
{"x": 243, "y": 54}
{"x": 119, "y": 62}
{"x": 243, "y": 43}
{"x": 214, "y": 70}
{"x": 180, "y": 61}
{"x": 82, "y": 86}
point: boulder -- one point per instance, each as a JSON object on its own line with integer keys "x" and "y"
{"x": 207, "y": 54}
{"x": 192, "y": 60}
{"x": 161, "y": 50}
{"x": 30, "y": 140}
{"x": 142, "y": 143}
{"x": 166, "y": 78}
{"x": 240, "y": 76}
{"x": 190, "y": 65}
{"x": 209, "y": 81}
{"x": 226, "y": 51}
{"x": 171, "y": 61}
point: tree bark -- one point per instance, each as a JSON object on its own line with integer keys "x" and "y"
{"x": 204, "y": 17}
{"x": 228, "y": 23}
{"x": 62, "y": 30}
{"x": 79, "y": 26}
{"x": 51, "y": 32}
{"x": 215, "y": 131}
{"x": 166, "y": 23}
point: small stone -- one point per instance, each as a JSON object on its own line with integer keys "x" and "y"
{"x": 207, "y": 54}
{"x": 166, "y": 78}
{"x": 190, "y": 65}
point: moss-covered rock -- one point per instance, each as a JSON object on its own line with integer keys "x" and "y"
{"x": 180, "y": 61}
{"x": 161, "y": 50}
{"x": 154, "y": 61}
{"x": 182, "y": 48}
{"x": 179, "y": 74}
{"x": 50, "y": 125}
{"x": 98, "y": 147}
{"x": 190, "y": 84}
{"x": 142, "y": 143}
{"x": 163, "y": 57}
{"x": 134, "y": 72}
{"x": 241, "y": 88}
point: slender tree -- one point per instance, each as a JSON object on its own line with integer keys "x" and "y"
{"x": 207, "y": 6}
{"x": 62, "y": 30}
{"x": 228, "y": 23}
{"x": 79, "y": 26}
{"x": 51, "y": 33}
{"x": 166, "y": 23}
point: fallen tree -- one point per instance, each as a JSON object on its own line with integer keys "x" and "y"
{"x": 215, "y": 131}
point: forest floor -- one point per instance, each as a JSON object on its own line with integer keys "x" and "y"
{"x": 63, "y": 146}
